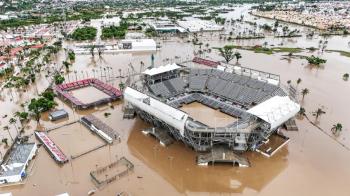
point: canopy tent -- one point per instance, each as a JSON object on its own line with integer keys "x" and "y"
{"x": 275, "y": 110}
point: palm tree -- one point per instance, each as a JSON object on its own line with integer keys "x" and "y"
{"x": 121, "y": 86}
{"x": 13, "y": 121}
{"x": 238, "y": 56}
{"x": 4, "y": 140}
{"x": 302, "y": 111}
{"x": 337, "y": 128}
{"x": 265, "y": 44}
{"x": 92, "y": 48}
{"x": 227, "y": 53}
{"x": 22, "y": 116}
{"x": 7, "y": 128}
{"x": 318, "y": 113}
{"x": 304, "y": 92}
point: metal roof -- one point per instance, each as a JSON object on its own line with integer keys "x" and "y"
{"x": 161, "y": 69}
{"x": 276, "y": 110}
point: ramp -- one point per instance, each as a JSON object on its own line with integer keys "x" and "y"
{"x": 222, "y": 155}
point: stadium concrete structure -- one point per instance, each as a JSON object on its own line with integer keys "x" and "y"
{"x": 254, "y": 98}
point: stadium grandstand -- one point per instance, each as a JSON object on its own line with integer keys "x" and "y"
{"x": 255, "y": 99}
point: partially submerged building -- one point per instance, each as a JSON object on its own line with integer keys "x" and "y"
{"x": 58, "y": 114}
{"x": 259, "y": 106}
{"x": 166, "y": 26}
{"x": 13, "y": 168}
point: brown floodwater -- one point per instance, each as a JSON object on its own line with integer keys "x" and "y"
{"x": 89, "y": 94}
{"x": 201, "y": 112}
{"x": 313, "y": 163}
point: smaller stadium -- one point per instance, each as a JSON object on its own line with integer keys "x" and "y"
{"x": 87, "y": 93}
{"x": 254, "y": 100}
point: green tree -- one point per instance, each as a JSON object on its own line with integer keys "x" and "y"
{"x": 227, "y": 53}
{"x": 4, "y": 140}
{"x": 7, "y": 128}
{"x": 302, "y": 111}
{"x": 315, "y": 60}
{"x": 346, "y": 77}
{"x": 337, "y": 128}
{"x": 22, "y": 116}
{"x": 238, "y": 56}
{"x": 59, "y": 79}
{"x": 13, "y": 122}
{"x": 66, "y": 65}
{"x": 318, "y": 113}
{"x": 304, "y": 92}
{"x": 42, "y": 104}
{"x": 121, "y": 86}
{"x": 71, "y": 55}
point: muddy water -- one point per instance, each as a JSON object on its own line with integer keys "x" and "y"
{"x": 201, "y": 112}
{"x": 312, "y": 163}
{"x": 89, "y": 94}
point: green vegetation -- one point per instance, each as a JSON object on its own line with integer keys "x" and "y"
{"x": 66, "y": 65}
{"x": 318, "y": 113}
{"x": 71, "y": 55}
{"x": 59, "y": 79}
{"x": 85, "y": 15}
{"x": 265, "y": 50}
{"x": 337, "y": 128}
{"x": 346, "y": 77}
{"x": 315, "y": 60}
{"x": 115, "y": 32}
{"x": 44, "y": 103}
{"x": 238, "y": 56}
{"x": 341, "y": 52}
{"x": 227, "y": 52}
{"x": 4, "y": 140}
{"x": 151, "y": 32}
{"x": 304, "y": 92}
{"x": 84, "y": 33}
{"x": 22, "y": 116}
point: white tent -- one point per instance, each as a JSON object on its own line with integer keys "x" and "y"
{"x": 276, "y": 110}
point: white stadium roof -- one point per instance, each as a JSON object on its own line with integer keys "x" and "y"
{"x": 276, "y": 110}
{"x": 161, "y": 69}
{"x": 166, "y": 113}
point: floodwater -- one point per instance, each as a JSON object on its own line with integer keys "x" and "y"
{"x": 201, "y": 112}
{"x": 313, "y": 163}
{"x": 89, "y": 94}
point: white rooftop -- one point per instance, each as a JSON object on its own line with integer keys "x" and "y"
{"x": 161, "y": 69}
{"x": 276, "y": 110}
{"x": 166, "y": 113}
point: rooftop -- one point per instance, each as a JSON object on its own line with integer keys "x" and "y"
{"x": 17, "y": 159}
{"x": 161, "y": 69}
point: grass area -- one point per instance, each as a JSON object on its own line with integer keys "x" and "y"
{"x": 84, "y": 33}
{"x": 341, "y": 52}
{"x": 117, "y": 32}
{"x": 292, "y": 50}
{"x": 268, "y": 51}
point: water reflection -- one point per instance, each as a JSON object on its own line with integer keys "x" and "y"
{"x": 177, "y": 165}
